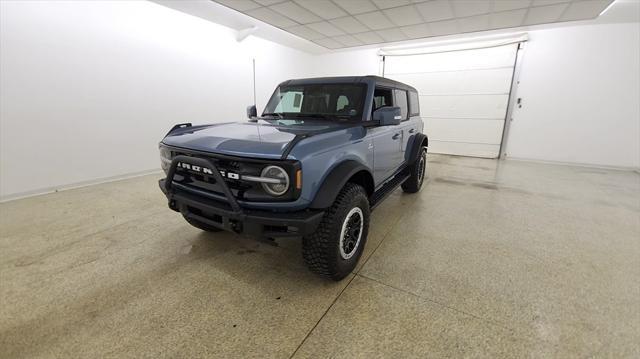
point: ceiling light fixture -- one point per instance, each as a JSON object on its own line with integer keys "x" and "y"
{"x": 607, "y": 8}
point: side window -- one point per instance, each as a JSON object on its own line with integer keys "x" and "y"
{"x": 382, "y": 97}
{"x": 291, "y": 102}
{"x": 401, "y": 101}
{"x": 414, "y": 104}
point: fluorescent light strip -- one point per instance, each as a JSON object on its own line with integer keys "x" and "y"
{"x": 607, "y": 8}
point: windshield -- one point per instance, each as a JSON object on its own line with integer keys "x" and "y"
{"x": 325, "y": 102}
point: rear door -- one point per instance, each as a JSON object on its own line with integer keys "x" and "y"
{"x": 408, "y": 126}
{"x": 387, "y": 140}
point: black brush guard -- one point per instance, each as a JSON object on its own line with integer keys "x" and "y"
{"x": 229, "y": 215}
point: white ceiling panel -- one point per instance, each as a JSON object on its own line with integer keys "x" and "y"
{"x": 326, "y": 9}
{"x": 504, "y": 5}
{"x": 507, "y": 19}
{"x": 416, "y": 31}
{"x": 305, "y": 32}
{"x": 355, "y": 7}
{"x": 435, "y": 10}
{"x": 584, "y": 9}
{"x": 447, "y": 27}
{"x": 545, "y": 14}
{"x": 348, "y": 40}
{"x": 473, "y": 23}
{"x": 326, "y": 29}
{"x": 463, "y": 8}
{"x": 240, "y": 5}
{"x": 329, "y": 43}
{"x": 295, "y": 12}
{"x": 369, "y": 37}
{"x": 404, "y": 15}
{"x": 346, "y": 23}
{"x": 391, "y": 35}
{"x": 387, "y": 4}
{"x": 267, "y": 2}
{"x": 375, "y": 20}
{"x": 349, "y": 25}
{"x": 271, "y": 17}
{"x": 548, "y": 2}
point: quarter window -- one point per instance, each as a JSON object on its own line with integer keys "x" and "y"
{"x": 414, "y": 103}
{"x": 401, "y": 101}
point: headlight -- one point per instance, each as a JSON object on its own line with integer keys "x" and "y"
{"x": 165, "y": 159}
{"x": 277, "y": 174}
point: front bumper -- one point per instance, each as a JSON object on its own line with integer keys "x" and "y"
{"x": 257, "y": 223}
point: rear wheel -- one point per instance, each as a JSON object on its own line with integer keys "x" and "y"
{"x": 418, "y": 172}
{"x": 336, "y": 246}
{"x": 201, "y": 225}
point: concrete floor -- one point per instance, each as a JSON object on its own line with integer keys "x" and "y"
{"x": 491, "y": 259}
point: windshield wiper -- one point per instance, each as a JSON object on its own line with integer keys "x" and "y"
{"x": 276, "y": 114}
{"x": 310, "y": 115}
{"x": 324, "y": 117}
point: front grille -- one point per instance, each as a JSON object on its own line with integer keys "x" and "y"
{"x": 241, "y": 190}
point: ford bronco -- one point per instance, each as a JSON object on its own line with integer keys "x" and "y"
{"x": 322, "y": 155}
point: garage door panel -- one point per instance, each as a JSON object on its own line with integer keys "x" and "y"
{"x": 464, "y": 149}
{"x": 503, "y": 56}
{"x": 493, "y": 81}
{"x": 465, "y": 130}
{"x": 464, "y": 106}
{"x": 463, "y": 96}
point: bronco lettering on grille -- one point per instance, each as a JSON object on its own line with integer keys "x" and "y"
{"x": 208, "y": 171}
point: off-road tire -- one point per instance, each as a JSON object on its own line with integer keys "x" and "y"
{"x": 418, "y": 172}
{"x": 321, "y": 250}
{"x": 201, "y": 225}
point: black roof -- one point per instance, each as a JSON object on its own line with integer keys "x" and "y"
{"x": 369, "y": 80}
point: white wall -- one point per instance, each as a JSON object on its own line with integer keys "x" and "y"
{"x": 88, "y": 88}
{"x": 580, "y": 88}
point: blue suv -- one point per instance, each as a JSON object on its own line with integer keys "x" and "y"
{"x": 323, "y": 154}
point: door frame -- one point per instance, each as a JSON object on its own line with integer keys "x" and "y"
{"x": 513, "y": 100}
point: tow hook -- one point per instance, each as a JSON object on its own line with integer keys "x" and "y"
{"x": 236, "y": 226}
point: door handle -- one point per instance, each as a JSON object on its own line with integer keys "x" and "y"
{"x": 412, "y": 130}
{"x": 396, "y": 136}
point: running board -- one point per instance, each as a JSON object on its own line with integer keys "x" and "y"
{"x": 386, "y": 189}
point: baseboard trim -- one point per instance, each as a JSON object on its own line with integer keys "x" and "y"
{"x": 48, "y": 190}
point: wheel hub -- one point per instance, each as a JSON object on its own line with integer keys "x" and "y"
{"x": 351, "y": 233}
{"x": 421, "y": 167}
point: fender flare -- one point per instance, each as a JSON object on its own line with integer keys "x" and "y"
{"x": 335, "y": 181}
{"x": 419, "y": 140}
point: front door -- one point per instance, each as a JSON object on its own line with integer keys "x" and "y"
{"x": 387, "y": 141}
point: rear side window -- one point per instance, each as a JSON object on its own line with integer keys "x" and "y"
{"x": 414, "y": 104}
{"x": 401, "y": 101}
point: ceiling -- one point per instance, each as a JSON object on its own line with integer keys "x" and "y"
{"x": 336, "y": 24}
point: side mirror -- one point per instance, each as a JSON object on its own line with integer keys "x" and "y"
{"x": 387, "y": 116}
{"x": 252, "y": 111}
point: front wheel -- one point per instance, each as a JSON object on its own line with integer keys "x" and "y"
{"x": 335, "y": 247}
{"x": 418, "y": 172}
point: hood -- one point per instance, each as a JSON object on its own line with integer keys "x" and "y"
{"x": 247, "y": 139}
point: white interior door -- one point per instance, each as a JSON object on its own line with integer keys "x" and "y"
{"x": 463, "y": 96}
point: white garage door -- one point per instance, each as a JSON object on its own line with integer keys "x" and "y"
{"x": 463, "y": 96}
